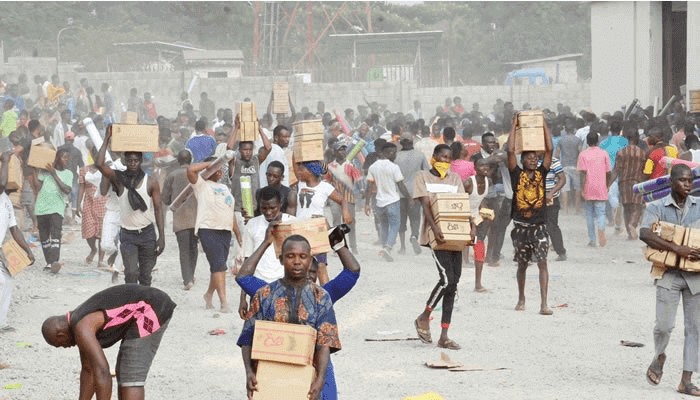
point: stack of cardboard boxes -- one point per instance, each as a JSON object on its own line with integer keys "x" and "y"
{"x": 308, "y": 141}
{"x": 285, "y": 354}
{"x": 248, "y": 117}
{"x": 679, "y": 235}
{"x": 529, "y": 133}
{"x": 280, "y": 98}
{"x": 694, "y": 101}
{"x": 451, "y": 214}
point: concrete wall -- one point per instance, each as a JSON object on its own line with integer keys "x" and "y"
{"x": 626, "y": 44}
{"x": 398, "y": 96}
{"x": 693, "y": 63}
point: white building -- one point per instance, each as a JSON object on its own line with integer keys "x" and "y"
{"x": 644, "y": 50}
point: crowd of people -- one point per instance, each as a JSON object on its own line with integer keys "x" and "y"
{"x": 393, "y": 162}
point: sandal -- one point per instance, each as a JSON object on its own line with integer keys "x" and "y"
{"x": 449, "y": 344}
{"x": 656, "y": 370}
{"x": 689, "y": 388}
{"x": 423, "y": 334}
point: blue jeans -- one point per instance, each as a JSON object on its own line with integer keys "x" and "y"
{"x": 595, "y": 215}
{"x": 390, "y": 220}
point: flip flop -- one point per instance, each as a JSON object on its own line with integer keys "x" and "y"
{"x": 449, "y": 344}
{"x": 656, "y": 372}
{"x": 689, "y": 389}
{"x": 423, "y": 334}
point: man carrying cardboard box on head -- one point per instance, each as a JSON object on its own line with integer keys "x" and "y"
{"x": 293, "y": 299}
{"x": 680, "y": 209}
{"x": 530, "y": 238}
{"x": 7, "y": 221}
{"x": 140, "y": 206}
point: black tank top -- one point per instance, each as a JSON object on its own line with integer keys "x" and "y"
{"x": 131, "y": 311}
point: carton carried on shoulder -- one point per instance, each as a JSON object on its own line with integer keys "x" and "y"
{"x": 129, "y": 117}
{"x": 128, "y": 137}
{"x": 280, "y": 98}
{"x": 283, "y": 342}
{"x": 248, "y": 117}
{"x": 40, "y": 154}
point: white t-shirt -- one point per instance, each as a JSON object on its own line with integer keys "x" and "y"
{"x": 385, "y": 174}
{"x": 269, "y": 268}
{"x": 214, "y": 205}
{"x": 7, "y": 216}
{"x": 276, "y": 154}
{"x": 311, "y": 200}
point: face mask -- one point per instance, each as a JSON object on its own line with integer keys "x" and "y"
{"x": 440, "y": 167}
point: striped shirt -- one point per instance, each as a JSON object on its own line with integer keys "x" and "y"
{"x": 551, "y": 179}
{"x": 630, "y": 163}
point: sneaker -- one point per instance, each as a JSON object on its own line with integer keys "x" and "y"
{"x": 386, "y": 255}
{"x": 561, "y": 257}
{"x": 592, "y": 244}
{"x": 115, "y": 276}
{"x": 416, "y": 246}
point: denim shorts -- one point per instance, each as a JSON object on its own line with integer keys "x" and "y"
{"x": 135, "y": 358}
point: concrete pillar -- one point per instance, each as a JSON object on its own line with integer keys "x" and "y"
{"x": 693, "y": 58}
{"x": 626, "y": 50}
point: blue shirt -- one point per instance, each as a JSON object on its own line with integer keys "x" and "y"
{"x": 612, "y": 145}
{"x": 336, "y": 287}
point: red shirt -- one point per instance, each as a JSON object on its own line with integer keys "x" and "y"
{"x": 472, "y": 147}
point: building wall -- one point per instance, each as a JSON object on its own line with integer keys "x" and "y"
{"x": 398, "y": 96}
{"x": 626, "y": 44}
{"x": 693, "y": 57}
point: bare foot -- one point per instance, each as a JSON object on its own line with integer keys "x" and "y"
{"x": 91, "y": 257}
{"x": 544, "y": 310}
{"x": 520, "y": 306}
{"x": 225, "y": 309}
{"x": 207, "y": 301}
{"x": 480, "y": 289}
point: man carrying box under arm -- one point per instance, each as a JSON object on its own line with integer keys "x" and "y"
{"x": 680, "y": 209}
{"x": 271, "y": 304}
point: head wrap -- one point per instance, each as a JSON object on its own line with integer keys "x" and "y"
{"x": 314, "y": 167}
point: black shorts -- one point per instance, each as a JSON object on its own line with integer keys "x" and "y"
{"x": 216, "y": 244}
{"x": 530, "y": 241}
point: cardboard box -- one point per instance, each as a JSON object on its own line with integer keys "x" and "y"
{"x": 308, "y": 151}
{"x": 529, "y": 139}
{"x": 691, "y": 239}
{"x": 280, "y": 98}
{"x": 284, "y": 343}
{"x": 694, "y": 95}
{"x": 283, "y": 381}
{"x": 15, "y": 175}
{"x": 487, "y": 214}
{"x": 17, "y": 259}
{"x": 130, "y": 117}
{"x": 309, "y": 137}
{"x": 280, "y": 86}
{"x": 314, "y": 126}
{"x": 292, "y": 176}
{"x": 315, "y": 230}
{"x": 40, "y": 155}
{"x": 248, "y": 131}
{"x": 456, "y": 232}
{"x": 450, "y": 205}
{"x": 142, "y": 138}
{"x": 247, "y": 111}
{"x": 531, "y": 119}
{"x": 671, "y": 233}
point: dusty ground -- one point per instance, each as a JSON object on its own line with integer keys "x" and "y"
{"x": 574, "y": 354}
